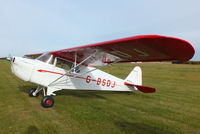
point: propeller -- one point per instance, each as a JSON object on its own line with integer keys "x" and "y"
{"x": 9, "y": 57}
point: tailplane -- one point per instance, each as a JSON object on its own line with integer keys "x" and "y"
{"x": 143, "y": 89}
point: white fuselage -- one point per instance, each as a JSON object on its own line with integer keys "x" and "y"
{"x": 44, "y": 74}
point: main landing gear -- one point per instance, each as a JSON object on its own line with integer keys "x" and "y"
{"x": 47, "y": 101}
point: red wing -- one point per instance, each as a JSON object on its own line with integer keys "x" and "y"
{"x": 34, "y": 55}
{"x": 133, "y": 49}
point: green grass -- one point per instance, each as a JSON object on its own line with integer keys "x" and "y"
{"x": 173, "y": 109}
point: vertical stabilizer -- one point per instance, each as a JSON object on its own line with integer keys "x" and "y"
{"x": 135, "y": 77}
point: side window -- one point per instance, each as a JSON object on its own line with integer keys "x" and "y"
{"x": 63, "y": 64}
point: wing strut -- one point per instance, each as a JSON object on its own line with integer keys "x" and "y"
{"x": 73, "y": 68}
{"x": 75, "y": 59}
{"x": 93, "y": 70}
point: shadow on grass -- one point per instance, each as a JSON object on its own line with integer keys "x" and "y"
{"x": 87, "y": 94}
{"x": 141, "y": 128}
{"x": 26, "y": 89}
{"x": 77, "y": 93}
{"x": 32, "y": 130}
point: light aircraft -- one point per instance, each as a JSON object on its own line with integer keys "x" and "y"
{"x": 73, "y": 68}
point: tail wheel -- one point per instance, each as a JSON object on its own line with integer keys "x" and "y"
{"x": 32, "y": 91}
{"x": 47, "y": 101}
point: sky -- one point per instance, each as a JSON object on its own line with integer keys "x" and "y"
{"x": 33, "y": 26}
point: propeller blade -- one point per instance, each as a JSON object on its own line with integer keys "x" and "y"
{"x": 9, "y": 57}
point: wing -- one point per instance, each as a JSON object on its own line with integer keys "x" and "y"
{"x": 133, "y": 49}
{"x": 33, "y": 55}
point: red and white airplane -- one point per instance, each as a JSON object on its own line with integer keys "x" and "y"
{"x": 73, "y": 68}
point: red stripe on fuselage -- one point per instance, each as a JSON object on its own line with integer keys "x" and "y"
{"x": 49, "y": 72}
{"x": 63, "y": 74}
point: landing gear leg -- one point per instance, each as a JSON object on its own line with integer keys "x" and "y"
{"x": 35, "y": 92}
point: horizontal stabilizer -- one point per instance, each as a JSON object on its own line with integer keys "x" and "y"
{"x": 143, "y": 89}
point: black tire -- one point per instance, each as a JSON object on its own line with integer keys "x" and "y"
{"x": 31, "y": 92}
{"x": 47, "y": 101}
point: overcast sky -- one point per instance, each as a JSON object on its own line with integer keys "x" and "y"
{"x": 32, "y": 26}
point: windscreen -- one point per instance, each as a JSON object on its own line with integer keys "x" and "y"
{"x": 45, "y": 57}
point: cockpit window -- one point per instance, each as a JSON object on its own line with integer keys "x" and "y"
{"x": 58, "y": 62}
{"x": 64, "y": 64}
{"x": 46, "y": 57}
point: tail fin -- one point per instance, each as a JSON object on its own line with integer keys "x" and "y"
{"x": 135, "y": 77}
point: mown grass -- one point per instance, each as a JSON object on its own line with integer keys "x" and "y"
{"x": 173, "y": 109}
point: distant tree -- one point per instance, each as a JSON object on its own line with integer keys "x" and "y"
{"x": 185, "y": 62}
{"x": 3, "y": 58}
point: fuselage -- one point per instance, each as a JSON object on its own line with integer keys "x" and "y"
{"x": 44, "y": 72}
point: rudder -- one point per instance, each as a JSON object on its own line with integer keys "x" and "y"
{"x": 135, "y": 76}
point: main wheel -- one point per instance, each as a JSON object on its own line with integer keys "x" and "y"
{"x": 32, "y": 91}
{"x": 47, "y": 101}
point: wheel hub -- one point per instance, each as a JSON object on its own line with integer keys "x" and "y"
{"x": 48, "y": 102}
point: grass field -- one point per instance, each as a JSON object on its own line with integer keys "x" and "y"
{"x": 173, "y": 109}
